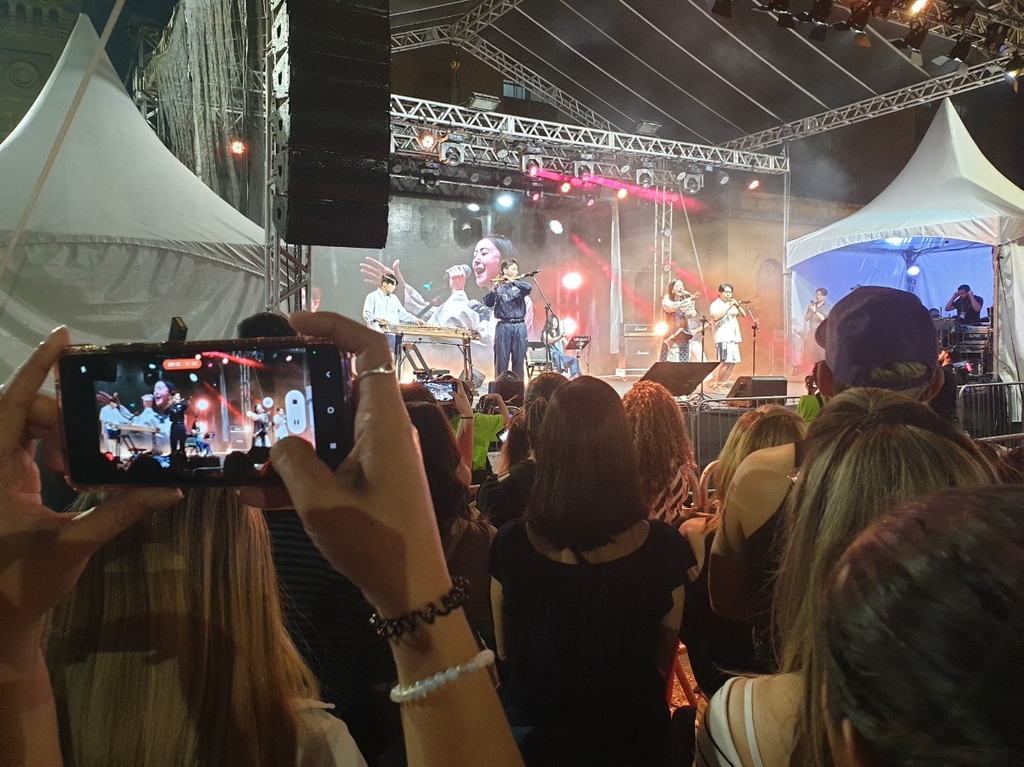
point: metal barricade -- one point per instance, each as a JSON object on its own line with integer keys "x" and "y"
{"x": 710, "y": 421}
{"x": 990, "y": 410}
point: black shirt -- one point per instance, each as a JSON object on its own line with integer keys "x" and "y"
{"x": 509, "y": 299}
{"x": 965, "y": 311}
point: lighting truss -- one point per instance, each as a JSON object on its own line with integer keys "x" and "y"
{"x": 969, "y": 79}
{"x": 420, "y": 38}
{"x": 560, "y": 145}
{"x": 481, "y": 16}
{"x": 942, "y": 21}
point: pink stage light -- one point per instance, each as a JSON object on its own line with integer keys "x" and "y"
{"x": 569, "y": 326}
{"x": 572, "y": 281}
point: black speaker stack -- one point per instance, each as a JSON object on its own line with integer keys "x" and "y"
{"x": 332, "y": 121}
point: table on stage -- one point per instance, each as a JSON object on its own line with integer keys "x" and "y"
{"x": 412, "y": 335}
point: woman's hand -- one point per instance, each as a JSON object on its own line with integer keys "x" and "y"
{"x": 372, "y": 517}
{"x": 42, "y": 553}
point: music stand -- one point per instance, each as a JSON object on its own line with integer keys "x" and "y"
{"x": 577, "y": 344}
{"x": 680, "y": 378}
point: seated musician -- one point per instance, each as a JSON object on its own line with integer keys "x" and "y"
{"x": 382, "y": 308}
{"x": 111, "y": 417}
{"x": 201, "y": 435}
{"x": 554, "y": 339}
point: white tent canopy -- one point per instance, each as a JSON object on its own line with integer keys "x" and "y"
{"x": 947, "y": 213}
{"x": 123, "y": 236}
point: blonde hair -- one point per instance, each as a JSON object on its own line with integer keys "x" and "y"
{"x": 768, "y": 426}
{"x": 171, "y": 650}
{"x": 868, "y": 449}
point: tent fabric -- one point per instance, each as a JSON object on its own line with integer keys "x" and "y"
{"x": 947, "y": 212}
{"x": 948, "y": 190}
{"x": 123, "y": 236}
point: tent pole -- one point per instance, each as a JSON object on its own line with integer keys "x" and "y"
{"x": 994, "y": 323}
{"x": 787, "y": 274}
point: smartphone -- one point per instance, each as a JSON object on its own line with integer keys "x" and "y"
{"x": 443, "y": 391}
{"x": 503, "y": 434}
{"x": 200, "y": 413}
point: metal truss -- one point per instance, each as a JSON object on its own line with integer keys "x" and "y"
{"x": 971, "y": 78}
{"x": 973, "y": 22}
{"x": 481, "y": 16}
{"x": 490, "y": 139}
{"x": 465, "y": 33}
{"x": 421, "y": 38}
{"x": 663, "y": 272}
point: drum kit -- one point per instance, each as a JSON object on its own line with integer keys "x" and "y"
{"x": 969, "y": 346}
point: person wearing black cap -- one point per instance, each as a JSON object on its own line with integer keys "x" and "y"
{"x": 966, "y": 305}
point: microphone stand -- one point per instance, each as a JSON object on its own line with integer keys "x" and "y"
{"x": 755, "y": 327}
{"x": 548, "y": 313}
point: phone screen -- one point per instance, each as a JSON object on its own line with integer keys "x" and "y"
{"x": 443, "y": 391}
{"x": 202, "y": 413}
{"x": 503, "y": 434}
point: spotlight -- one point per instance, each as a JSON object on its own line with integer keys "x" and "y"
{"x": 505, "y": 200}
{"x": 723, "y": 177}
{"x": 644, "y": 178}
{"x": 918, "y": 5}
{"x": 452, "y": 154}
{"x": 961, "y": 50}
{"x": 530, "y": 164}
{"x": 506, "y": 179}
{"x": 582, "y": 170}
{"x": 722, "y": 8}
{"x": 590, "y": 200}
{"x": 817, "y": 15}
{"x": 693, "y": 183}
{"x": 555, "y": 226}
{"x": 859, "y": 17}
{"x": 474, "y": 177}
{"x": 569, "y": 326}
{"x": 625, "y": 168}
{"x": 647, "y": 128}
{"x": 622, "y": 193}
{"x": 397, "y": 167}
{"x": 501, "y": 153}
{"x": 913, "y": 271}
{"x": 535, "y": 192}
{"x": 429, "y": 175}
{"x": 1014, "y": 65}
{"x": 472, "y": 207}
{"x": 661, "y": 328}
{"x": 995, "y": 37}
{"x": 913, "y": 41}
{"x": 427, "y": 140}
{"x": 483, "y": 102}
{"x": 754, "y": 184}
{"x": 572, "y": 281}
{"x": 565, "y": 187}
{"x": 237, "y": 147}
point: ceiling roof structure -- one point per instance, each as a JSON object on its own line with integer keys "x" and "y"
{"x": 716, "y": 80}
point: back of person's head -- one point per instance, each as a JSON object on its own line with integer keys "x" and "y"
{"x": 768, "y": 426}
{"x": 881, "y": 338}
{"x": 921, "y": 634}
{"x": 440, "y": 460}
{"x": 414, "y": 391}
{"x": 171, "y": 649}
{"x": 587, "y": 488}
{"x": 661, "y": 441}
{"x": 544, "y": 385}
{"x": 868, "y": 449}
{"x": 265, "y": 325}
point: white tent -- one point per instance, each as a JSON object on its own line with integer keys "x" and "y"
{"x": 949, "y": 213}
{"x": 123, "y": 236}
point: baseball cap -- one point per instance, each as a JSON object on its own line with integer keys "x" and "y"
{"x": 875, "y": 327}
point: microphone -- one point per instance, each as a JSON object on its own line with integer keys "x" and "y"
{"x": 534, "y": 273}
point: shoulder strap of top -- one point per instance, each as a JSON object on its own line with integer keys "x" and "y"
{"x": 748, "y": 721}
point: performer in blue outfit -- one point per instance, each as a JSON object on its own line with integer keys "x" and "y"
{"x": 508, "y": 298}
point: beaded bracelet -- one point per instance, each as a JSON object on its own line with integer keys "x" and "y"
{"x": 392, "y": 628}
{"x": 423, "y": 687}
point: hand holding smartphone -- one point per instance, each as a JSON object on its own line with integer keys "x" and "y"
{"x": 200, "y": 413}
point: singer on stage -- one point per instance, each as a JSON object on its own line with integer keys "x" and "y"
{"x": 508, "y": 299}
{"x": 726, "y": 311}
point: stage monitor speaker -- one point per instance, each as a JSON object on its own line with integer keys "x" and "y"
{"x": 642, "y": 351}
{"x": 680, "y": 378}
{"x": 760, "y": 386}
{"x": 332, "y": 121}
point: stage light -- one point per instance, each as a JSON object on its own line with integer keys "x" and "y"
{"x": 472, "y": 207}
{"x": 536, "y": 191}
{"x": 569, "y": 326}
{"x": 452, "y": 154}
{"x": 474, "y": 177}
{"x": 817, "y": 15}
{"x": 961, "y": 50}
{"x": 859, "y": 17}
{"x": 427, "y": 140}
{"x": 693, "y": 183}
{"x": 531, "y": 165}
{"x": 644, "y": 178}
{"x": 565, "y": 187}
{"x": 505, "y": 200}
{"x": 506, "y": 179}
{"x": 590, "y": 200}
{"x": 1014, "y": 65}
{"x": 722, "y": 8}
{"x": 429, "y": 175}
{"x": 913, "y": 271}
{"x": 237, "y": 147}
{"x": 556, "y": 226}
{"x": 647, "y": 128}
{"x": 754, "y": 184}
{"x": 483, "y": 102}
{"x": 723, "y": 177}
{"x": 625, "y": 168}
{"x": 572, "y": 280}
{"x": 913, "y": 41}
{"x": 661, "y": 328}
{"x": 995, "y": 37}
{"x": 622, "y": 193}
{"x": 582, "y": 170}
{"x": 202, "y": 405}
{"x": 917, "y": 6}
{"x": 397, "y": 167}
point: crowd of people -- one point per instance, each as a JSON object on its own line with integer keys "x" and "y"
{"x": 850, "y": 592}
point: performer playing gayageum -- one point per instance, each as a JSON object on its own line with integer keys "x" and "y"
{"x": 382, "y": 308}
{"x": 966, "y": 305}
{"x": 726, "y": 311}
{"x": 679, "y": 309}
{"x": 508, "y": 298}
